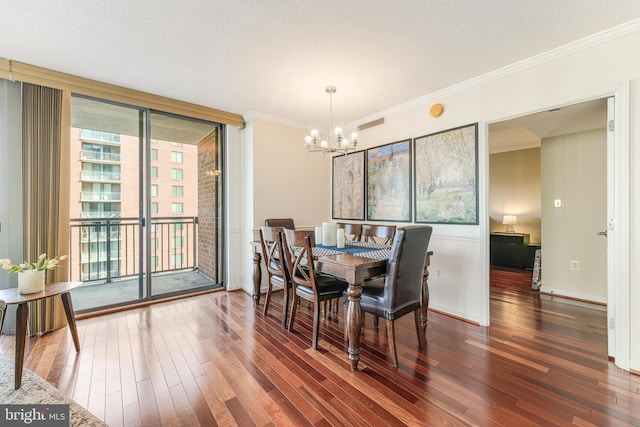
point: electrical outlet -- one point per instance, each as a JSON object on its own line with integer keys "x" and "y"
{"x": 557, "y": 203}
{"x": 575, "y": 265}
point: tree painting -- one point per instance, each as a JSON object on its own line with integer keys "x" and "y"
{"x": 446, "y": 176}
{"x": 389, "y": 182}
{"x": 348, "y": 186}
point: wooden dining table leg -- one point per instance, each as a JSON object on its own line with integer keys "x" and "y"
{"x": 354, "y": 323}
{"x": 425, "y": 301}
{"x": 22, "y": 313}
{"x": 257, "y": 278}
{"x": 71, "y": 319}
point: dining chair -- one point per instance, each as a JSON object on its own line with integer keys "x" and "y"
{"x": 378, "y": 233}
{"x": 307, "y": 283}
{"x": 271, "y": 241}
{"x": 351, "y": 231}
{"x": 399, "y": 291}
{"x": 280, "y": 222}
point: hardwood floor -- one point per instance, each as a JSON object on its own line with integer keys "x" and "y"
{"x": 215, "y": 360}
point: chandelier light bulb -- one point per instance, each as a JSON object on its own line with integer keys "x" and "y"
{"x": 324, "y": 144}
{"x": 338, "y": 131}
{"x": 314, "y": 133}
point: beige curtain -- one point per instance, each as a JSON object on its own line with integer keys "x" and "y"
{"x": 45, "y": 198}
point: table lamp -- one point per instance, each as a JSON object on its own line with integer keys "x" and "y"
{"x": 509, "y": 221}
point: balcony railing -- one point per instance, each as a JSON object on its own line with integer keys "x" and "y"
{"x": 100, "y": 196}
{"x": 99, "y": 156}
{"x": 100, "y": 214}
{"x": 99, "y": 176}
{"x": 108, "y": 249}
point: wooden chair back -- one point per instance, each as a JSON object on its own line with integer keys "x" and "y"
{"x": 378, "y": 233}
{"x": 351, "y": 231}
{"x": 280, "y": 222}
{"x": 272, "y": 250}
{"x": 299, "y": 257}
{"x": 275, "y": 261}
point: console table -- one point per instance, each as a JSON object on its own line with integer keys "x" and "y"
{"x": 512, "y": 250}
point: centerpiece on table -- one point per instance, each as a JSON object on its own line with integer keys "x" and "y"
{"x": 31, "y": 276}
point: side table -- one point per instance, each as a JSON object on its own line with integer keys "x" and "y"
{"x": 12, "y": 296}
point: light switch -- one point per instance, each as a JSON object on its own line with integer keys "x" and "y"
{"x": 557, "y": 203}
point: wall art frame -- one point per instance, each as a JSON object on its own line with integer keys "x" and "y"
{"x": 446, "y": 176}
{"x": 389, "y": 182}
{"x": 348, "y": 191}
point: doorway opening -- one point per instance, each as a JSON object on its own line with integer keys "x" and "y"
{"x": 550, "y": 174}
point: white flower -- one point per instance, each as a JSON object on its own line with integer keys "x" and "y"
{"x": 43, "y": 263}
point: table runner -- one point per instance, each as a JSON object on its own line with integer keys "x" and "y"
{"x": 348, "y": 248}
{"x": 371, "y": 250}
{"x": 378, "y": 254}
{"x": 373, "y": 245}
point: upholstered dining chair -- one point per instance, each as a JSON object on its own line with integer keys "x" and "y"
{"x": 307, "y": 283}
{"x": 274, "y": 259}
{"x": 378, "y": 233}
{"x": 399, "y": 292}
{"x": 351, "y": 231}
{"x": 280, "y": 222}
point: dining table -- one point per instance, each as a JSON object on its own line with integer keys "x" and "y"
{"x": 354, "y": 263}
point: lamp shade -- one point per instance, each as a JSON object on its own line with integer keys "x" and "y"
{"x": 509, "y": 220}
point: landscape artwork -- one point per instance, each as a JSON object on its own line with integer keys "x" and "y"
{"x": 446, "y": 176}
{"x": 348, "y": 186}
{"x": 389, "y": 182}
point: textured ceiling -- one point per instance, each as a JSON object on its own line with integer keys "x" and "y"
{"x": 276, "y": 57}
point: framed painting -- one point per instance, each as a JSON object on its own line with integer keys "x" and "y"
{"x": 389, "y": 182}
{"x": 446, "y": 176}
{"x": 348, "y": 186}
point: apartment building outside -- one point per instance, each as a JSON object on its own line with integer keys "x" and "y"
{"x": 105, "y": 177}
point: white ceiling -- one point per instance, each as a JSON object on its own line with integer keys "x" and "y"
{"x": 528, "y": 131}
{"x": 275, "y": 57}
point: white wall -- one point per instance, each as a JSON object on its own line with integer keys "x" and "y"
{"x": 238, "y": 207}
{"x": 604, "y": 65}
{"x": 514, "y": 184}
{"x": 574, "y": 171}
{"x": 288, "y": 182}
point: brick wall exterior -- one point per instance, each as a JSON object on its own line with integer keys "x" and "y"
{"x": 209, "y": 200}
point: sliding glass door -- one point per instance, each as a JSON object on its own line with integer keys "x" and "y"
{"x": 184, "y": 239}
{"x": 138, "y": 181}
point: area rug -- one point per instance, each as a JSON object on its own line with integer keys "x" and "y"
{"x": 37, "y": 391}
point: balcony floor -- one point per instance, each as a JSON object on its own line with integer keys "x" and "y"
{"x": 94, "y": 295}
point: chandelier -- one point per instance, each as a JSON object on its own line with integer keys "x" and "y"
{"x": 340, "y": 144}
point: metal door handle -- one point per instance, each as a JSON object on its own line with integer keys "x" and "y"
{"x": 602, "y": 233}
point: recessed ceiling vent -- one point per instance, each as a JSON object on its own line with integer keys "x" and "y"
{"x": 371, "y": 124}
